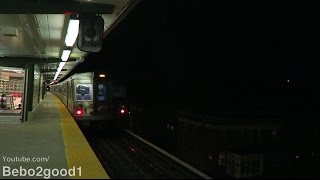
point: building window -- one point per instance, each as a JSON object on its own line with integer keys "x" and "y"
{"x": 259, "y": 132}
{"x": 258, "y": 164}
{"x": 243, "y": 166}
{"x": 248, "y": 166}
{"x": 254, "y": 164}
{"x": 233, "y": 171}
{"x": 274, "y": 132}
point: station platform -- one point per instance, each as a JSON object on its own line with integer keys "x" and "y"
{"x": 9, "y": 112}
{"x": 49, "y": 146}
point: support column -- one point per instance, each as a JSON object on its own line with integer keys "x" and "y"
{"x": 27, "y": 92}
{"x": 44, "y": 89}
{"x": 39, "y": 89}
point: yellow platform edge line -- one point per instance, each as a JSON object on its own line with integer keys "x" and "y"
{"x": 79, "y": 153}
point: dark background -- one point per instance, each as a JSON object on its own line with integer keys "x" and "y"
{"x": 222, "y": 59}
{"x": 206, "y": 56}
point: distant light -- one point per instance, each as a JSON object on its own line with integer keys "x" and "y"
{"x": 297, "y": 156}
{"x": 288, "y": 80}
{"x": 122, "y": 111}
{"x": 68, "y": 12}
{"x": 102, "y": 75}
{"x": 72, "y": 33}
{"x": 132, "y": 149}
{"x": 65, "y": 55}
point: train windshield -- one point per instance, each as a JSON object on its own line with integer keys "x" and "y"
{"x": 102, "y": 92}
{"x": 83, "y": 92}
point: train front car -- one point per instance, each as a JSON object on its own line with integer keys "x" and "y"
{"x": 92, "y": 97}
{"x": 99, "y": 99}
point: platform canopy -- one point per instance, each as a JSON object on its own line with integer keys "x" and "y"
{"x": 34, "y": 31}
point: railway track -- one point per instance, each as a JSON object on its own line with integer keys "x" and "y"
{"x": 123, "y": 156}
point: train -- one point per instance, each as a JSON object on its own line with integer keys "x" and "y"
{"x": 92, "y": 96}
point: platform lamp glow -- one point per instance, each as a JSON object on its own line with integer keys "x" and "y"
{"x": 59, "y": 70}
{"x": 72, "y": 34}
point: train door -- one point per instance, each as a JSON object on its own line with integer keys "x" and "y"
{"x": 72, "y": 96}
{"x": 102, "y": 97}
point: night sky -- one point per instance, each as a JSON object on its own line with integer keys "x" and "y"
{"x": 207, "y": 55}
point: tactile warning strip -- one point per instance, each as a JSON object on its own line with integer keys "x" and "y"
{"x": 77, "y": 149}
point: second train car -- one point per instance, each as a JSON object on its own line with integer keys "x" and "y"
{"x": 91, "y": 96}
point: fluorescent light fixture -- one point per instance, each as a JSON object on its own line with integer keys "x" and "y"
{"x": 72, "y": 33}
{"x": 59, "y": 70}
{"x": 65, "y": 55}
{"x": 61, "y": 65}
{"x": 55, "y": 77}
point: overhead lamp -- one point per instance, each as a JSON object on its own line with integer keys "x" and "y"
{"x": 72, "y": 33}
{"x": 65, "y": 55}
